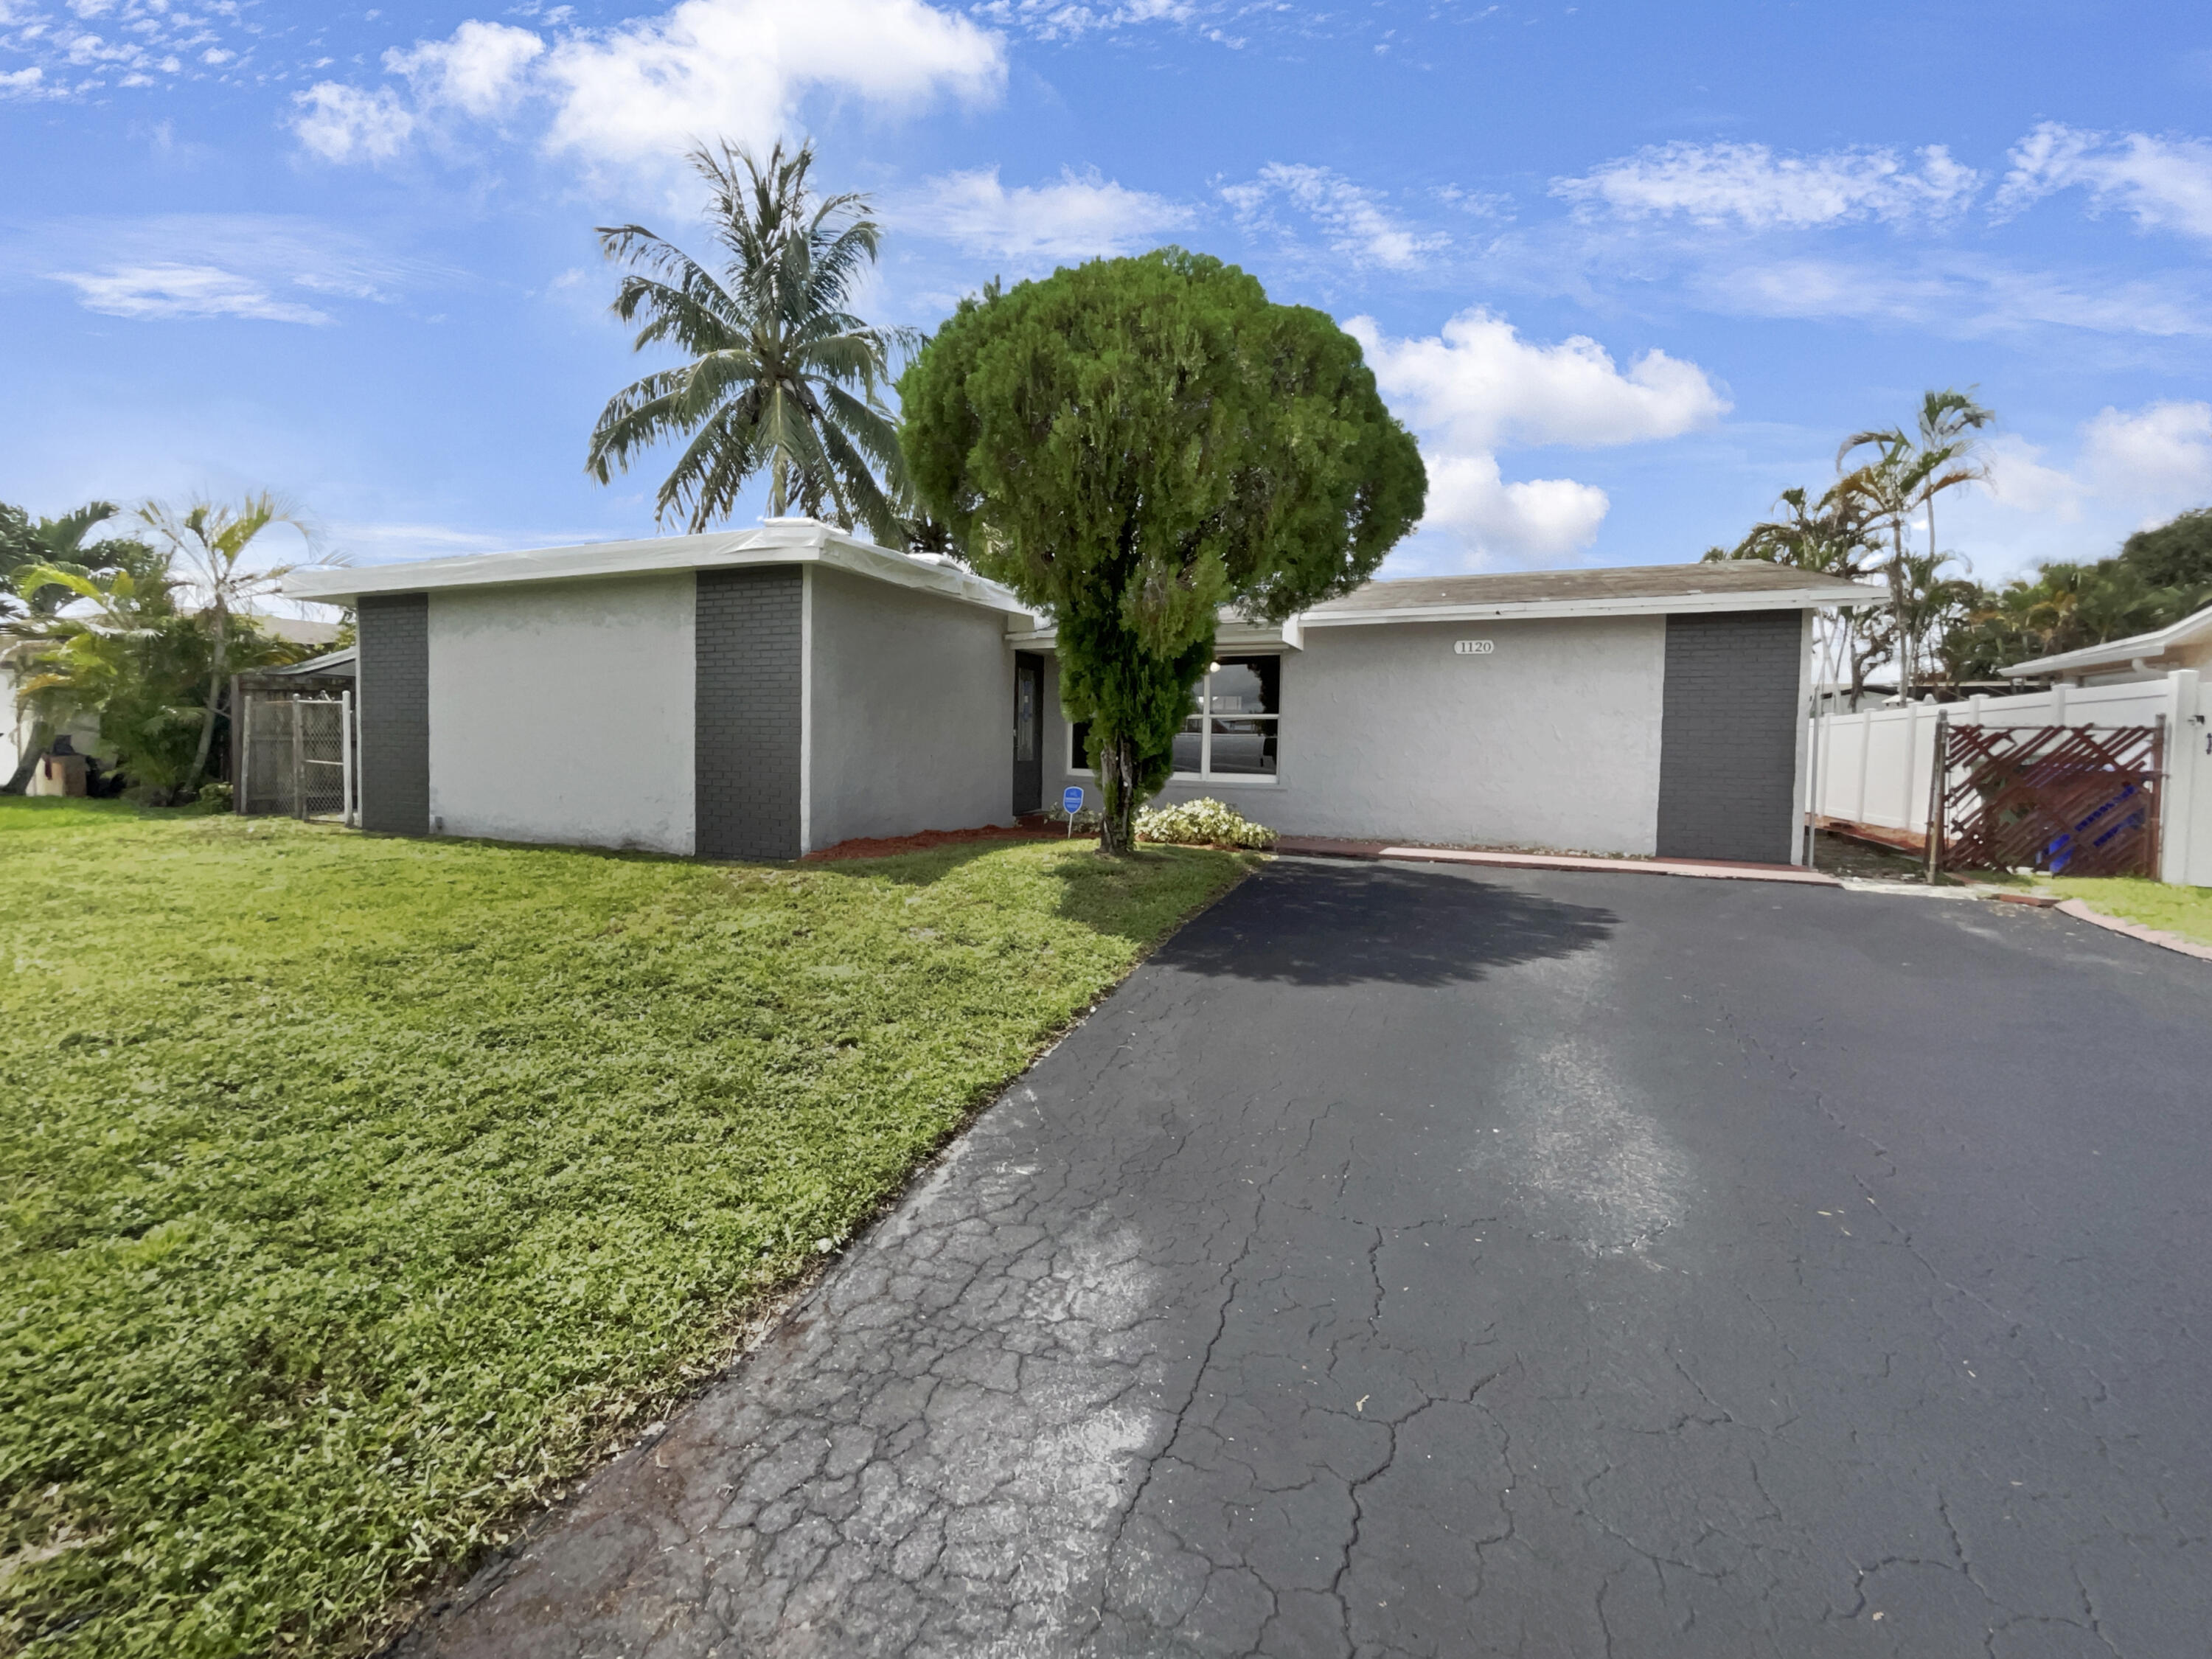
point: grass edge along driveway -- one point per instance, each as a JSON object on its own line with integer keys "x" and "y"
{"x": 359, "y": 1192}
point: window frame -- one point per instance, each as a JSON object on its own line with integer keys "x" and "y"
{"x": 1204, "y": 714}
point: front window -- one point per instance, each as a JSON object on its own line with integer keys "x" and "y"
{"x": 1231, "y": 731}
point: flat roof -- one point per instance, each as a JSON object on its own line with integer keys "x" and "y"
{"x": 2120, "y": 653}
{"x": 1625, "y": 590}
{"x": 777, "y": 541}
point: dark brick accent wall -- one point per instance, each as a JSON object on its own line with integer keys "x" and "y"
{"x": 1727, "y": 753}
{"x": 747, "y": 712}
{"x": 394, "y": 671}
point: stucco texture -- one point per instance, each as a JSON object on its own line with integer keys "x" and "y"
{"x": 564, "y": 712}
{"x": 1551, "y": 740}
{"x": 910, "y": 712}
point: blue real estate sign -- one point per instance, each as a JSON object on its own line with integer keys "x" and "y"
{"x": 1071, "y": 799}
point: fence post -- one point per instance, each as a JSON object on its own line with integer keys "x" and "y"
{"x": 345, "y": 758}
{"x": 241, "y": 734}
{"x": 1940, "y": 774}
{"x": 2156, "y": 860}
{"x": 1866, "y": 746}
{"x": 2185, "y": 838}
{"x": 299, "y": 765}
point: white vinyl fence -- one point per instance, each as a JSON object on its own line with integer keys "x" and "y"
{"x": 1876, "y": 767}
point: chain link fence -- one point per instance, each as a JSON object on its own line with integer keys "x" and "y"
{"x": 296, "y": 756}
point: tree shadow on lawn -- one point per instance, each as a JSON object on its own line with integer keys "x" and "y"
{"x": 1309, "y": 922}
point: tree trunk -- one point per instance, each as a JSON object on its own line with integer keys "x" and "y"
{"x": 42, "y": 734}
{"x": 1117, "y": 792}
{"x": 213, "y": 698}
{"x": 1897, "y": 610}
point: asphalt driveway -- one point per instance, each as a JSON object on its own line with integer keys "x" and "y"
{"x": 1409, "y": 1261}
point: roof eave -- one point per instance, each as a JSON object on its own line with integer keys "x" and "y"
{"x": 771, "y": 545}
{"x": 2117, "y": 653}
{"x": 1625, "y": 605}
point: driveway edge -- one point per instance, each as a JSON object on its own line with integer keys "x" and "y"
{"x": 2164, "y": 940}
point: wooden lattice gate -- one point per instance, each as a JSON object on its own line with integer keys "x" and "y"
{"x": 2073, "y": 799}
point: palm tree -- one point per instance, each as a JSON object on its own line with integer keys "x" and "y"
{"x": 1909, "y": 472}
{"x": 1832, "y": 536}
{"x": 28, "y": 604}
{"x": 211, "y": 541}
{"x": 781, "y": 375}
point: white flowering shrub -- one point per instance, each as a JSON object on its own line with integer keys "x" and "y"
{"x": 1202, "y": 822}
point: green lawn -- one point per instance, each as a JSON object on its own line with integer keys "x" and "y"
{"x": 2184, "y": 910}
{"x": 357, "y": 1191}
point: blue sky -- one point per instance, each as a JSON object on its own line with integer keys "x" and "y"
{"x": 1626, "y": 270}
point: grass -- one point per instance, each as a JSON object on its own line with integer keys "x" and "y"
{"x": 357, "y": 1192}
{"x": 2186, "y": 911}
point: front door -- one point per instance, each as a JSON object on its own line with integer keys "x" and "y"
{"x": 1028, "y": 748}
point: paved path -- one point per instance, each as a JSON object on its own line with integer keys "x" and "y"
{"x": 1417, "y": 1260}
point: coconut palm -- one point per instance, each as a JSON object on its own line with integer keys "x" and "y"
{"x": 780, "y": 376}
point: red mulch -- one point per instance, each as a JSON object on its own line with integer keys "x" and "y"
{"x": 885, "y": 846}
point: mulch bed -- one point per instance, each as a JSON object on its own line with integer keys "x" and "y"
{"x": 885, "y": 846}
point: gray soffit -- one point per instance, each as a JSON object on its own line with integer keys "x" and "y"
{"x": 1632, "y": 590}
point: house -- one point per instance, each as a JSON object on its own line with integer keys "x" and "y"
{"x": 2185, "y": 644}
{"x": 768, "y": 692}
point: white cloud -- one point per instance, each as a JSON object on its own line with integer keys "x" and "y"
{"x": 1080, "y": 216}
{"x": 644, "y": 91}
{"x": 159, "y": 291}
{"x": 1352, "y": 219}
{"x": 1481, "y": 384}
{"x": 2166, "y": 183}
{"x": 1748, "y": 185}
{"x": 740, "y": 68}
{"x": 1959, "y": 294}
{"x": 1478, "y": 386}
{"x": 2131, "y": 469}
{"x": 2019, "y": 478}
{"x": 1067, "y": 20}
{"x": 2159, "y": 457}
{"x": 1541, "y": 519}
{"x": 345, "y": 124}
{"x": 478, "y": 70}
{"x": 145, "y": 39}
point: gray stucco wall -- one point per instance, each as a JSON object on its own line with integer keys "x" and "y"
{"x": 911, "y": 712}
{"x": 563, "y": 712}
{"x": 394, "y": 677}
{"x": 1727, "y": 774}
{"x": 1551, "y": 740}
{"x": 748, "y": 696}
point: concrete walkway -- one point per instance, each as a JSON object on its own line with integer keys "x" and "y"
{"x": 1414, "y": 1260}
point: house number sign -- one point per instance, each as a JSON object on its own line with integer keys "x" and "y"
{"x": 1473, "y": 647}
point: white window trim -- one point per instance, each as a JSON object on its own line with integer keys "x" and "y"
{"x": 1207, "y": 717}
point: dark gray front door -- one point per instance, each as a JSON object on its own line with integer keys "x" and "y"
{"x": 1028, "y": 747}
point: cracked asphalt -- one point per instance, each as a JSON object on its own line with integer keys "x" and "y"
{"x": 1414, "y": 1262}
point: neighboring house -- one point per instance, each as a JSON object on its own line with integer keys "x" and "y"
{"x": 765, "y": 693}
{"x": 2185, "y": 644}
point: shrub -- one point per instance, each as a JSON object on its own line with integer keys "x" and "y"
{"x": 1202, "y": 822}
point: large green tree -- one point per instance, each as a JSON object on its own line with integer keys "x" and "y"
{"x": 779, "y": 375}
{"x": 1132, "y": 445}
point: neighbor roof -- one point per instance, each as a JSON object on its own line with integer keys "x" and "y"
{"x": 1628, "y": 590}
{"x": 2119, "y": 653}
{"x": 778, "y": 540}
